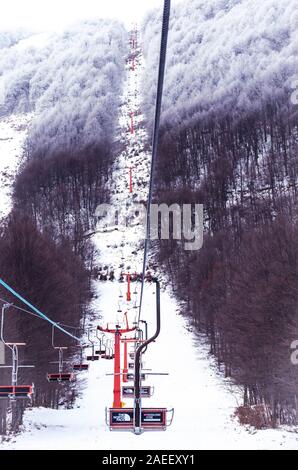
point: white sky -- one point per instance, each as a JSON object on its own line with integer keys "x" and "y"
{"x": 54, "y": 14}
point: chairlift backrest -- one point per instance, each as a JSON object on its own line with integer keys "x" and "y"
{"x": 131, "y": 377}
{"x": 80, "y": 367}
{"x": 16, "y": 391}
{"x": 152, "y": 419}
{"x": 129, "y": 391}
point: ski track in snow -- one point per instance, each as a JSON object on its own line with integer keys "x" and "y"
{"x": 204, "y": 401}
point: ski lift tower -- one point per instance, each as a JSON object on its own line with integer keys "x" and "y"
{"x": 117, "y": 332}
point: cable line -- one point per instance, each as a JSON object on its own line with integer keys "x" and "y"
{"x": 38, "y": 312}
{"x": 38, "y": 316}
{"x": 161, "y": 74}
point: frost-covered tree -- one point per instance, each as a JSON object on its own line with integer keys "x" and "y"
{"x": 223, "y": 56}
{"x": 71, "y": 81}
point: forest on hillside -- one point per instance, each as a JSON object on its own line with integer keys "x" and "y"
{"x": 229, "y": 141}
{"x": 71, "y": 83}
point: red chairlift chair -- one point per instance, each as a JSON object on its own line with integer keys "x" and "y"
{"x": 80, "y": 366}
{"x": 61, "y": 375}
{"x": 13, "y": 391}
{"x": 102, "y": 346}
{"x": 152, "y": 419}
{"x": 16, "y": 391}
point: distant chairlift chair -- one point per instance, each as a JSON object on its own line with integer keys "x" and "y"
{"x": 80, "y": 366}
{"x": 93, "y": 357}
{"x": 61, "y": 376}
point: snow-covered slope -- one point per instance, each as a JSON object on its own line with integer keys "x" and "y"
{"x": 204, "y": 401}
{"x": 13, "y": 132}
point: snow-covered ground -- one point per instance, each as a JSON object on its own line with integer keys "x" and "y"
{"x": 204, "y": 401}
{"x": 13, "y": 132}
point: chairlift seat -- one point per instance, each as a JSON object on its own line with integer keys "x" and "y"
{"x": 16, "y": 391}
{"x": 129, "y": 392}
{"x": 100, "y": 352}
{"x": 131, "y": 377}
{"x": 92, "y": 358}
{"x": 152, "y": 419}
{"x": 131, "y": 365}
{"x": 80, "y": 367}
{"x": 64, "y": 377}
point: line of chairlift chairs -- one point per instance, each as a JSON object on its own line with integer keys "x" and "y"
{"x": 101, "y": 347}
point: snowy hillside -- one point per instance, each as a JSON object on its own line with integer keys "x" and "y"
{"x": 224, "y": 55}
{"x": 69, "y": 80}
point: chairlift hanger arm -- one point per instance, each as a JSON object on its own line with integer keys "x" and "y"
{"x": 4, "y": 308}
{"x": 160, "y": 84}
{"x": 138, "y": 354}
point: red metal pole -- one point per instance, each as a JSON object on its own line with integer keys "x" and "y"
{"x": 117, "y": 403}
{"x": 125, "y": 366}
{"x": 117, "y": 378}
{"x": 132, "y": 128}
{"x": 130, "y": 181}
{"x": 128, "y": 294}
